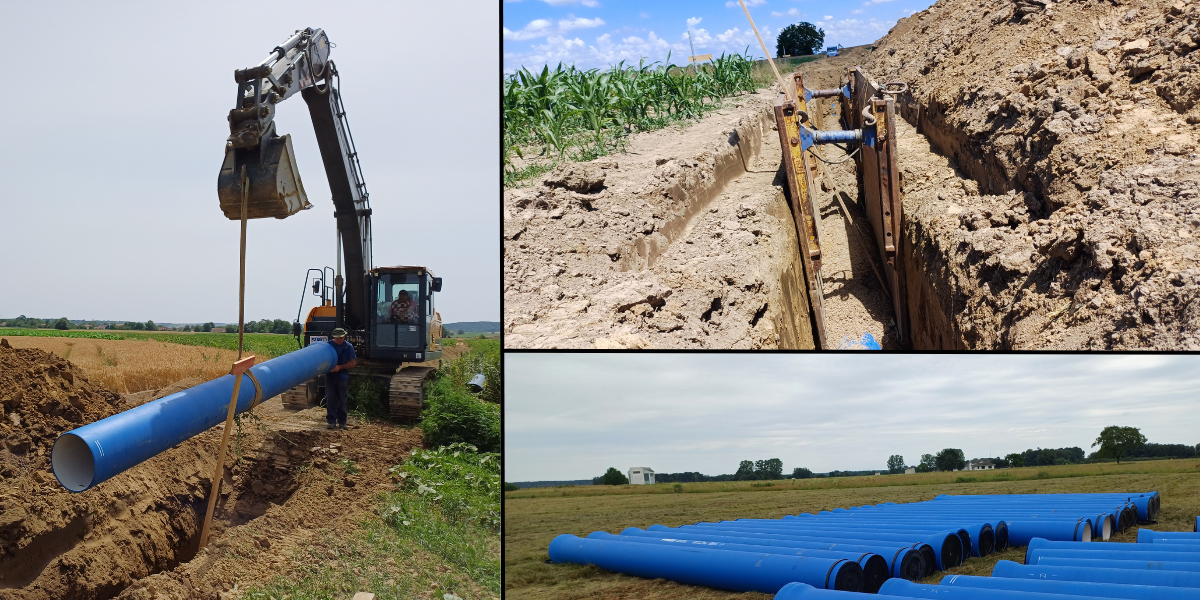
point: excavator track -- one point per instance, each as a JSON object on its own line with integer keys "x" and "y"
{"x": 406, "y": 392}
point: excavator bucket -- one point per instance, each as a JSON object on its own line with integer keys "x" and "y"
{"x": 275, "y": 189}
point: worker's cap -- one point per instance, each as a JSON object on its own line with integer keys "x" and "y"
{"x": 339, "y": 332}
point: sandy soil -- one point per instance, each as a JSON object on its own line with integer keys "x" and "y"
{"x": 283, "y": 489}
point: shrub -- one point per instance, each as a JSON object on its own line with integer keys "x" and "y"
{"x": 452, "y": 415}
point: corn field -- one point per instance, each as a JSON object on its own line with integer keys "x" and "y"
{"x": 572, "y": 114}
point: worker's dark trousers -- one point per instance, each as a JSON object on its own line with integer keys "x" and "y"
{"x": 335, "y": 399}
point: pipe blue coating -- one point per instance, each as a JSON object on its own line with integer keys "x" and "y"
{"x": 802, "y": 591}
{"x": 909, "y": 589}
{"x": 947, "y": 546}
{"x": 906, "y": 561}
{"x": 1094, "y": 563}
{"x": 1149, "y": 535}
{"x": 980, "y": 537}
{"x": 1193, "y": 544}
{"x": 84, "y": 457}
{"x": 875, "y": 567}
{"x": 1032, "y": 556}
{"x": 998, "y": 528}
{"x": 1021, "y": 532}
{"x": 835, "y": 136}
{"x": 1010, "y": 569}
{"x": 735, "y": 571}
{"x": 1137, "y": 549}
{"x": 1072, "y": 588}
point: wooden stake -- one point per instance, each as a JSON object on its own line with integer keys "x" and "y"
{"x": 787, "y": 92}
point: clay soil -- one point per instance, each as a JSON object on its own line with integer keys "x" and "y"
{"x": 136, "y": 535}
{"x": 1051, "y": 193}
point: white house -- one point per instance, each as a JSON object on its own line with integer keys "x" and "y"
{"x": 980, "y": 464}
{"x": 641, "y": 475}
{"x": 910, "y": 470}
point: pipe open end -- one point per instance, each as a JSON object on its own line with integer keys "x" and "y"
{"x": 73, "y": 463}
{"x": 1086, "y": 535}
{"x": 1106, "y": 529}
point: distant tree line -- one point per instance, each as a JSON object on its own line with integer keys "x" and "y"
{"x": 278, "y": 326}
{"x": 689, "y": 477}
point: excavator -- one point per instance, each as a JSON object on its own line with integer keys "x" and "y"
{"x": 388, "y": 312}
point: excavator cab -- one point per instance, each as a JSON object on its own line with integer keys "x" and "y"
{"x": 403, "y": 322}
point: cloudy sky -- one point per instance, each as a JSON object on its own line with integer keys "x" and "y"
{"x": 114, "y": 129}
{"x": 571, "y": 416}
{"x": 599, "y": 33}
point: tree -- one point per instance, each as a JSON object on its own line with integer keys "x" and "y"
{"x": 1116, "y": 441}
{"x": 613, "y": 477}
{"x": 62, "y": 324}
{"x": 950, "y": 459}
{"x": 511, "y": 487}
{"x": 207, "y": 327}
{"x": 800, "y": 39}
{"x": 895, "y": 464}
{"x": 745, "y": 471}
{"x": 461, "y": 332}
{"x": 772, "y": 468}
{"x": 801, "y": 473}
{"x": 1015, "y": 460}
{"x": 928, "y": 464}
{"x": 150, "y": 326}
{"x": 445, "y": 332}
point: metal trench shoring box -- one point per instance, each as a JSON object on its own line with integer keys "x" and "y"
{"x": 879, "y": 180}
{"x": 800, "y": 173}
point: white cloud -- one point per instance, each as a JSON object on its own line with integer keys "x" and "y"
{"x": 858, "y": 11}
{"x": 828, "y": 17}
{"x": 734, "y": 3}
{"x": 790, "y": 13}
{"x": 645, "y": 15}
{"x": 544, "y": 28}
{"x": 694, "y": 21}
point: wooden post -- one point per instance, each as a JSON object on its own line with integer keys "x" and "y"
{"x": 239, "y": 368}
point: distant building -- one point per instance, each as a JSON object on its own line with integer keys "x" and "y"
{"x": 218, "y": 330}
{"x": 910, "y": 470}
{"x": 641, "y": 475}
{"x": 980, "y": 464}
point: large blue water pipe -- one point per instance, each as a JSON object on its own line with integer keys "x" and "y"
{"x": 1137, "y": 549}
{"x": 909, "y": 589}
{"x": 1072, "y": 588}
{"x": 980, "y": 536}
{"x": 1149, "y": 535}
{"x": 946, "y": 546}
{"x": 903, "y": 561}
{"x": 86, "y": 456}
{"x": 1008, "y": 568}
{"x": 735, "y": 571}
{"x": 875, "y": 567}
{"x": 1108, "y": 563}
{"x": 1120, "y": 553}
{"x": 816, "y": 527}
{"x": 802, "y": 591}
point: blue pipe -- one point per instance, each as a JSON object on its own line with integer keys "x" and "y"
{"x": 802, "y": 591}
{"x": 947, "y": 546}
{"x": 1193, "y": 544}
{"x": 1021, "y": 532}
{"x": 1149, "y": 535}
{"x": 979, "y": 532}
{"x": 837, "y": 136}
{"x": 909, "y": 589}
{"x": 980, "y": 537}
{"x": 735, "y": 571}
{"x": 1095, "y": 563}
{"x": 86, "y": 456}
{"x": 1138, "y": 549}
{"x": 904, "y": 561}
{"x": 1072, "y": 588}
{"x": 1008, "y": 568}
{"x": 875, "y": 567}
{"x": 1032, "y": 556}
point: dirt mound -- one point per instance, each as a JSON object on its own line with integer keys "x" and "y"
{"x": 1067, "y": 213}
{"x": 42, "y": 396}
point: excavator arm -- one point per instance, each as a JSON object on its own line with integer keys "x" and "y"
{"x": 260, "y": 165}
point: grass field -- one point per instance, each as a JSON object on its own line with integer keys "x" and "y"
{"x": 260, "y": 344}
{"x": 534, "y": 517}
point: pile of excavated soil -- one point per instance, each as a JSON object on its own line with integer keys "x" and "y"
{"x": 685, "y": 241}
{"x": 136, "y": 535}
{"x": 1065, "y": 208}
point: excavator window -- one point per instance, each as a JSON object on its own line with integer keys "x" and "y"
{"x": 398, "y": 311}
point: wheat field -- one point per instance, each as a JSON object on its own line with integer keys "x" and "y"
{"x": 126, "y": 366}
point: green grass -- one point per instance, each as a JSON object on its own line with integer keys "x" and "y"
{"x": 267, "y": 344}
{"x": 568, "y": 113}
{"x": 439, "y": 533}
{"x": 532, "y": 520}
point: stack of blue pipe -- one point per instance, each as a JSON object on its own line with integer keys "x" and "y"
{"x": 1161, "y": 565}
{"x": 861, "y": 549}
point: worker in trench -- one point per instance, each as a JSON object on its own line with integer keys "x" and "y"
{"x": 337, "y": 381}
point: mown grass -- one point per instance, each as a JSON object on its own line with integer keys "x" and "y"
{"x": 438, "y": 534}
{"x": 532, "y": 521}
{"x": 918, "y": 479}
{"x": 574, "y": 114}
{"x": 265, "y": 345}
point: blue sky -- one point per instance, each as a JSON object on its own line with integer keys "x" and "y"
{"x": 572, "y": 415}
{"x": 599, "y": 33}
